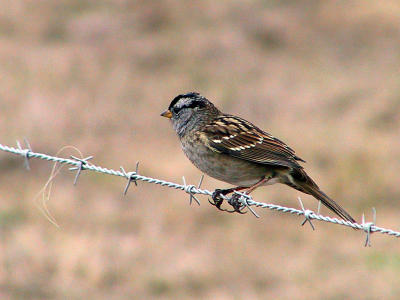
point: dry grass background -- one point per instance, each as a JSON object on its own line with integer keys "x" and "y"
{"x": 321, "y": 75}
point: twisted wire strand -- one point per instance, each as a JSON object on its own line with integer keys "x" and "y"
{"x": 83, "y": 164}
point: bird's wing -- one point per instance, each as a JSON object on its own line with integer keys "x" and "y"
{"x": 241, "y": 139}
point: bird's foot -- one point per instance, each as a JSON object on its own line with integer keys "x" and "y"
{"x": 233, "y": 200}
{"x": 217, "y": 197}
{"x": 236, "y": 204}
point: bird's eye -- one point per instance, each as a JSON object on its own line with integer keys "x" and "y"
{"x": 175, "y": 110}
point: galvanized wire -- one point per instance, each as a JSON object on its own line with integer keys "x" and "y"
{"x": 82, "y": 164}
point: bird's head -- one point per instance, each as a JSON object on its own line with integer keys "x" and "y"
{"x": 187, "y": 111}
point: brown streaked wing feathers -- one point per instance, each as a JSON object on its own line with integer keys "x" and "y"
{"x": 237, "y": 137}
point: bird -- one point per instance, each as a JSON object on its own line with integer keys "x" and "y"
{"x": 233, "y": 150}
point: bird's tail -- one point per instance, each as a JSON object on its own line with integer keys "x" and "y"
{"x": 302, "y": 182}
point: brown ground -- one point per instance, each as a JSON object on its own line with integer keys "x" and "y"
{"x": 321, "y": 75}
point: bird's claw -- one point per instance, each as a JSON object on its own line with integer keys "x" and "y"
{"x": 236, "y": 204}
{"x": 217, "y": 198}
{"x": 233, "y": 201}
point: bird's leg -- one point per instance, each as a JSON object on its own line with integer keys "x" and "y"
{"x": 218, "y": 199}
{"x": 256, "y": 185}
{"x": 234, "y": 200}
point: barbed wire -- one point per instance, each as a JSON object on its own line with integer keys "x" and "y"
{"x": 81, "y": 164}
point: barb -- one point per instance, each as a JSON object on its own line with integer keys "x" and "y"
{"x": 243, "y": 199}
{"x": 25, "y": 153}
{"x": 131, "y": 176}
{"x": 188, "y": 189}
{"x": 307, "y": 214}
{"x": 368, "y": 227}
{"x": 82, "y": 164}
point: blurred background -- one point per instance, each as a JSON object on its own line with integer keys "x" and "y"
{"x": 322, "y": 76}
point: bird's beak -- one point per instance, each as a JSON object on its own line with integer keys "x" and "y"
{"x": 167, "y": 114}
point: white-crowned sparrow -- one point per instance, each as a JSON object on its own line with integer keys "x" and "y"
{"x": 234, "y": 150}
